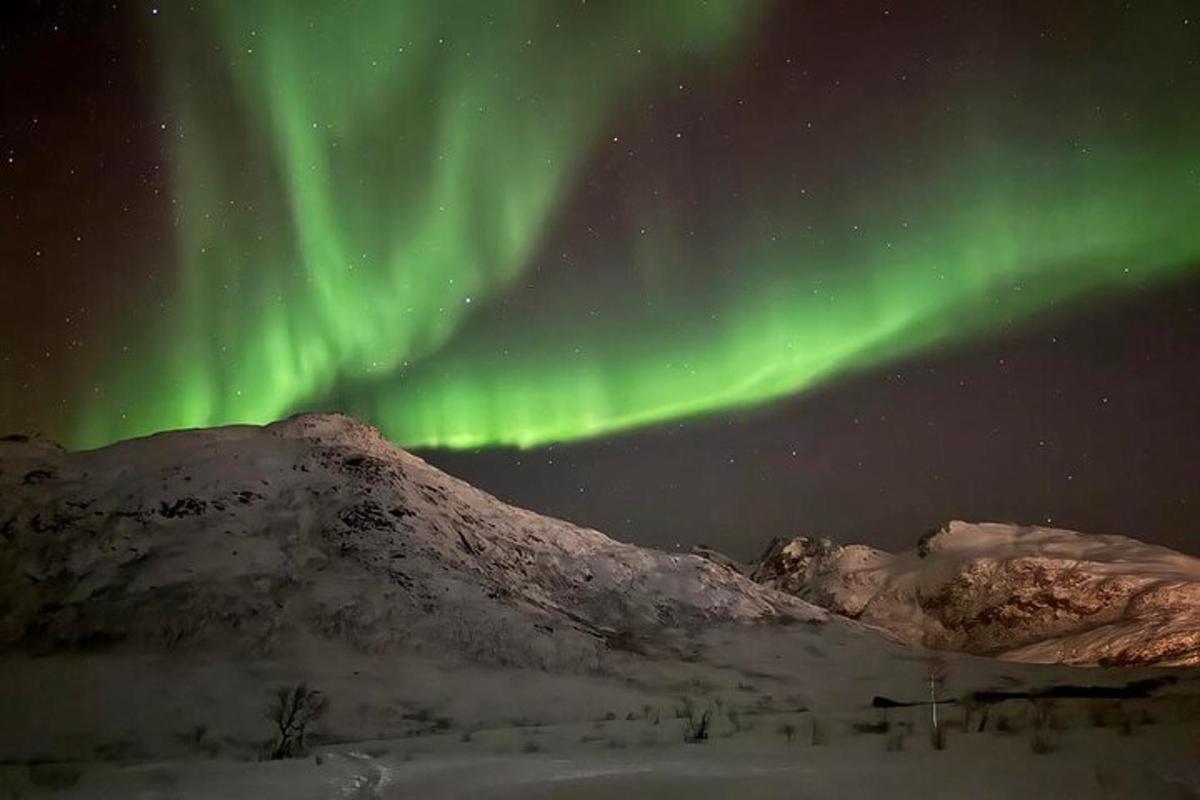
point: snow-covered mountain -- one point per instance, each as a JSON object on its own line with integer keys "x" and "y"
{"x": 245, "y": 535}
{"x": 1021, "y": 593}
{"x": 156, "y": 595}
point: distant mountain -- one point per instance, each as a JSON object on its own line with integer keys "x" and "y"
{"x": 1032, "y": 594}
{"x": 242, "y": 537}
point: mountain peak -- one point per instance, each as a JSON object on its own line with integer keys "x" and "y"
{"x": 214, "y": 536}
{"x": 1013, "y": 591}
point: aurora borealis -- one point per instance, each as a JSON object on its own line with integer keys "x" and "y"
{"x": 393, "y": 167}
{"x": 353, "y": 189}
{"x": 533, "y": 224}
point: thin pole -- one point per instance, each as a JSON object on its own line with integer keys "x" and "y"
{"x": 933, "y": 701}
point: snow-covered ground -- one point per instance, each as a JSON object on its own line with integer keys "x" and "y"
{"x": 154, "y": 594}
{"x": 642, "y": 760}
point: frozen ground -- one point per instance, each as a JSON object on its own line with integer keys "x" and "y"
{"x": 633, "y": 760}
{"x": 155, "y": 594}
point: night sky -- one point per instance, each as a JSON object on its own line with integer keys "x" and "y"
{"x": 686, "y": 272}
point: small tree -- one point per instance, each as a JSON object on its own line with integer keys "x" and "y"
{"x": 291, "y": 711}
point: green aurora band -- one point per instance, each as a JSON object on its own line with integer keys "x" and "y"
{"x": 357, "y": 192}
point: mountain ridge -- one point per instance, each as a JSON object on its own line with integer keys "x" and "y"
{"x": 227, "y": 528}
{"x": 1024, "y": 593}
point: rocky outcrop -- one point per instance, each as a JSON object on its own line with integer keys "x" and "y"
{"x": 1022, "y": 593}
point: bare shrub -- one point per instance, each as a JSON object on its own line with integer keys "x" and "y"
{"x": 1045, "y": 714}
{"x": 162, "y": 778}
{"x": 292, "y": 710}
{"x": 1124, "y": 721}
{"x": 123, "y": 749}
{"x": 972, "y": 707}
{"x": 54, "y": 776}
{"x": 881, "y": 726}
{"x": 695, "y": 722}
{"x": 198, "y": 738}
{"x": 1044, "y": 720}
{"x": 818, "y": 735}
{"x": 1041, "y": 742}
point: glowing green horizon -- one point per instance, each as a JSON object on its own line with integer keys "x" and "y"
{"x": 906, "y": 289}
{"x": 360, "y": 194}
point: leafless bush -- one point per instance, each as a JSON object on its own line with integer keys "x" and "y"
{"x": 817, "y": 735}
{"x": 1041, "y": 742}
{"x": 695, "y": 722}
{"x": 1044, "y": 719}
{"x": 292, "y": 710}
{"x": 1045, "y": 713}
{"x": 972, "y": 706}
{"x": 56, "y": 776}
{"x": 869, "y": 727}
{"x": 198, "y": 738}
{"x": 1124, "y": 721}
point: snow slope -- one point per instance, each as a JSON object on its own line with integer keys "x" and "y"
{"x": 232, "y": 560}
{"x": 242, "y": 534}
{"x": 1023, "y": 593}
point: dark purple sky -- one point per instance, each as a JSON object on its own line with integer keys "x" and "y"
{"x": 1085, "y": 418}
